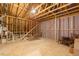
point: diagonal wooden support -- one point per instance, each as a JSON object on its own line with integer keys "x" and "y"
{"x": 29, "y": 32}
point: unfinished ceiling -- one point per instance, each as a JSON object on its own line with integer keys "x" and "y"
{"x": 17, "y": 9}
{"x": 45, "y": 11}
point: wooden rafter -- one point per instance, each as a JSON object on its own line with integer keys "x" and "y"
{"x": 53, "y": 10}
{"x": 71, "y": 12}
{"x": 18, "y": 18}
{"x": 9, "y": 5}
{"x": 45, "y": 5}
{"x": 44, "y": 10}
{"x": 17, "y": 10}
{"x": 1, "y": 8}
{"x": 63, "y": 14}
{"x": 21, "y": 10}
{"x": 21, "y": 7}
{"x": 60, "y": 12}
{"x": 12, "y": 7}
{"x": 25, "y": 11}
{"x": 5, "y": 8}
{"x": 39, "y": 5}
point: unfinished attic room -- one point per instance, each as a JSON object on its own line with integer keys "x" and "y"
{"x": 39, "y": 29}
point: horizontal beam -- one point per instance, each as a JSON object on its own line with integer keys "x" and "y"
{"x": 17, "y": 18}
{"x": 60, "y": 12}
{"x": 70, "y": 13}
{"x": 39, "y": 5}
{"x": 44, "y": 10}
{"x": 54, "y": 10}
{"x": 21, "y": 7}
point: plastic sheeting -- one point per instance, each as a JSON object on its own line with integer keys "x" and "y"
{"x": 59, "y": 27}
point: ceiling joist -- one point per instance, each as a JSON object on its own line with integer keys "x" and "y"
{"x": 54, "y": 14}
{"x": 44, "y": 10}
{"x": 53, "y": 10}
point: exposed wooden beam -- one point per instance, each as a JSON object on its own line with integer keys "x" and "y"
{"x": 45, "y": 5}
{"x": 18, "y": 18}
{"x": 17, "y": 10}
{"x": 21, "y": 7}
{"x": 39, "y": 5}
{"x": 5, "y": 8}
{"x": 60, "y": 12}
{"x": 71, "y": 12}
{"x": 44, "y": 10}
{"x": 53, "y": 10}
{"x": 25, "y": 11}
{"x": 29, "y": 31}
{"x": 1, "y": 8}
{"x": 9, "y": 5}
{"x": 12, "y": 7}
{"x": 15, "y": 21}
{"x": 21, "y": 10}
{"x": 64, "y": 14}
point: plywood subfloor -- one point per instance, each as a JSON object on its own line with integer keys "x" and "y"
{"x": 41, "y": 47}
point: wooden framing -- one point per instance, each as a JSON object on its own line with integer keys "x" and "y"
{"x": 12, "y": 8}
{"x": 72, "y": 12}
{"x": 21, "y": 10}
{"x": 9, "y": 5}
{"x": 29, "y": 26}
{"x": 59, "y": 12}
{"x": 29, "y": 31}
{"x": 18, "y": 18}
{"x": 39, "y": 5}
{"x": 53, "y": 10}
{"x": 65, "y": 14}
{"x": 21, "y": 7}
{"x": 44, "y": 10}
{"x": 25, "y": 11}
{"x": 7, "y": 21}
{"x": 17, "y": 10}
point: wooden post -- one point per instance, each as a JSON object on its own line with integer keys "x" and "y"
{"x": 13, "y": 39}
{"x": 20, "y": 27}
{"x": 7, "y": 26}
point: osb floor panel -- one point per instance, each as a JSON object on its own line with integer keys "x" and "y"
{"x": 41, "y": 47}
